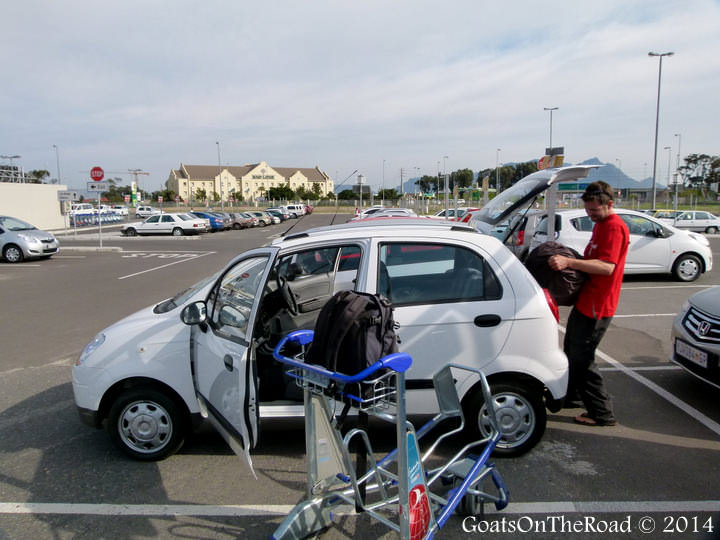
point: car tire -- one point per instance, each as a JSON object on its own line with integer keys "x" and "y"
{"x": 130, "y": 232}
{"x": 13, "y": 253}
{"x": 687, "y": 267}
{"x": 520, "y": 412}
{"x": 236, "y": 226}
{"x": 711, "y": 230}
{"x": 146, "y": 424}
{"x": 262, "y": 224}
{"x": 177, "y": 231}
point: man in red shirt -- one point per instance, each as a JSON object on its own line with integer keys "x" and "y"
{"x": 604, "y": 262}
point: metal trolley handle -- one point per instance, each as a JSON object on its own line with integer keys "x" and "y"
{"x": 398, "y": 362}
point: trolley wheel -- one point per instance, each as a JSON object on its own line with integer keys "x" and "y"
{"x": 470, "y": 505}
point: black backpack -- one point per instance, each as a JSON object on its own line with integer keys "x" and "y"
{"x": 353, "y": 331}
{"x": 565, "y": 285}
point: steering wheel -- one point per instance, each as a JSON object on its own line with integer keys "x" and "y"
{"x": 287, "y": 295}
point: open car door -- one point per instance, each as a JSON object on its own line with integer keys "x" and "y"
{"x": 222, "y": 352}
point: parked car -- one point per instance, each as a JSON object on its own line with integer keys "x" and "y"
{"x": 216, "y": 223}
{"x": 174, "y": 224}
{"x": 120, "y": 209}
{"x": 451, "y": 213}
{"x": 309, "y": 209}
{"x": 494, "y": 316}
{"x": 240, "y": 221}
{"x": 517, "y": 233}
{"x": 82, "y": 208}
{"x": 696, "y": 336}
{"x": 695, "y": 220}
{"x": 655, "y": 247}
{"x": 296, "y": 210}
{"x": 276, "y": 212}
{"x": 19, "y": 241}
{"x": 262, "y": 218}
{"x": 226, "y": 219}
{"x": 253, "y": 219}
{"x": 394, "y": 212}
{"x": 430, "y": 271}
{"x": 146, "y": 211}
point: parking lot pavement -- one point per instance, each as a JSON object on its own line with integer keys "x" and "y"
{"x": 60, "y": 479}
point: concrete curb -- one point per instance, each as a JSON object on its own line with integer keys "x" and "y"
{"x": 108, "y": 249}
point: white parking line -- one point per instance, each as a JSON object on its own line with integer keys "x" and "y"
{"x": 669, "y": 287}
{"x": 689, "y": 410}
{"x": 166, "y": 265}
{"x": 251, "y": 510}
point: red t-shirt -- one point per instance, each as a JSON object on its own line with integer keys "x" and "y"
{"x": 609, "y": 242}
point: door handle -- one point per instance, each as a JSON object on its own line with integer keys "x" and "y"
{"x": 485, "y": 321}
{"x": 228, "y": 360}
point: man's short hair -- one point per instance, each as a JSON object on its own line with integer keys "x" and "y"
{"x": 599, "y": 191}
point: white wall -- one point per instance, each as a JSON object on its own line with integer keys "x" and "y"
{"x": 35, "y": 203}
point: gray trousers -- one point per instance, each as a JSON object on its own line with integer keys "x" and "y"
{"x": 582, "y": 337}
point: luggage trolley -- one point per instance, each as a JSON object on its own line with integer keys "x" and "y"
{"x": 396, "y": 490}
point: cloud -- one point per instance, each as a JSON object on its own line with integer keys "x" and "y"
{"x": 347, "y": 85}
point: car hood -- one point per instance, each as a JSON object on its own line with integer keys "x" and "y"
{"x": 707, "y": 300}
{"x": 523, "y": 193}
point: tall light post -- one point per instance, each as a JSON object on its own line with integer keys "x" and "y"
{"x": 497, "y": 170}
{"x": 222, "y": 207}
{"x": 677, "y": 173}
{"x": 657, "y": 123}
{"x": 447, "y": 207}
{"x": 551, "y": 109}
{"x": 669, "y": 149}
{"x": 383, "y": 184}
{"x": 57, "y": 159}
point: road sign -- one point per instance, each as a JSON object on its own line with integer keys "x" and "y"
{"x": 97, "y": 174}
{"x": 67, "y": 195}
{"x": 573, "y": 186}
{"x": 97, "y": 186}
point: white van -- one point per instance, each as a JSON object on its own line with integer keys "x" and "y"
{"x": 82, "y": 208}
{"x": 296, "y": 210}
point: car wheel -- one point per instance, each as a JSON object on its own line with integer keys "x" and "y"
{"x": 177, "y": 231}
{"x": 130, "y": 232}
{"x": 262, "y": 223}
{"x": 146, "y": 424}
{"x": 293, "y": 215}
{"x": 236, "y": 226}
{"x": 521, "y": 416}
{"x": 711, "y": 230}
{"x": 13, "y": 254}
{"x": 687, "y": 268}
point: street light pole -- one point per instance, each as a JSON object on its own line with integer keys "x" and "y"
{"x": 383, "y": 184}
{"x": 57, "y": 158}
{"x": 677, "y": 172}
{"x": 657, "y": 123}
{"x": 222, "y": 206}
{"x": 551, "y": 109}
{"x": 497, "y": 171}
{"x": 447, "y": 207}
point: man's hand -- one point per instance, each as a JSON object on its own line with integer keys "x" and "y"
{"x": 559, "y": 262}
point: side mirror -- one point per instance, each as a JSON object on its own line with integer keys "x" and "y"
{"x": 229, "y": 316}
{"x": 195, "y": 313}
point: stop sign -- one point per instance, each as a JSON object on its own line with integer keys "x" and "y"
{"x": 97, "y": 174}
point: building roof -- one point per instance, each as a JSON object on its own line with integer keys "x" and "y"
{"x": 209, "y": 172}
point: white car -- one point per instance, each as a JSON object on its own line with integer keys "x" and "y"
{"x": 694, "y": 220}
{"x": 458, "y": 296}
{"x": 452, "y": 215}
{"x": 119, "y": 209}
{"x": 386, "y": 212}
{"x": 82, "y": 208}
{"x": 146, "y": 211}
{"x": 655, "y": 247}
{"x": 174, "y": 224}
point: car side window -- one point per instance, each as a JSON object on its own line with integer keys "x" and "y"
{"x": 167, "y": 219}
{"x": 231, "y": 300}
{"x": 427, "y": 273}
{"x": 702, "y": 215}
{"x": 583, "y": 224}
{"x": 153, "y": 219}
{"x": 638, "y": 225}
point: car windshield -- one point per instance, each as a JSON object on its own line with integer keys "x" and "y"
{"x": 526, "y": 189}
{"x": 180, "y": 298}
{"x": 14, "y": 224}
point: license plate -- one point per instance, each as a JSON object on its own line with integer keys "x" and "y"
{"x": 689, "y": 352}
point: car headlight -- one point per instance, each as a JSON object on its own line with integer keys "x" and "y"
{"x": 28, "y": 238}
{"x": 90, "y": 348}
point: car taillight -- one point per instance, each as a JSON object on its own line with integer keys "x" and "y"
{"x": 553, "y": 305}
{"x": 520, "y": 238}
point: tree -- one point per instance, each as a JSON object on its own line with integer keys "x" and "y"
{"x": 427, "y": 183}
{"x": 700, "y": 170}
{"x": 303, "y": 193}
{"x": 391, "y": 194}
{"x": 461, "y": 178}
{"x": 200, "y": 194}
{"x": 347, "y": 195}
{"x": 38, "y": 175}
{"x": 281, "y": 193}
{"x": 316, "y": 189}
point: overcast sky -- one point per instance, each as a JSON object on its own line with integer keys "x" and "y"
{"x": 352, "y": 85}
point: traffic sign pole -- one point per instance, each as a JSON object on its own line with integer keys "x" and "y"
{"x": 97, "y": 174}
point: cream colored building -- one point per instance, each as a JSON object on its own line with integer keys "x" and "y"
{"x": 247, "y": 182}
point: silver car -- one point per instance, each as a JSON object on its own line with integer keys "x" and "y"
{"x": 696, "y": 336}
{"x": 20, "y": 240}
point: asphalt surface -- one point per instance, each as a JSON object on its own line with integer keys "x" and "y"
{"x": 656, "y": 472}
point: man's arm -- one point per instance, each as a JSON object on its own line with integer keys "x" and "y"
{"x": 591, "y": 266}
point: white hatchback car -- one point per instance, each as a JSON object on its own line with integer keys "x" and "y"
{"x": 655, "y": 247}
{"x": 458, "y": 297}
{"x": 695, "y": 220}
